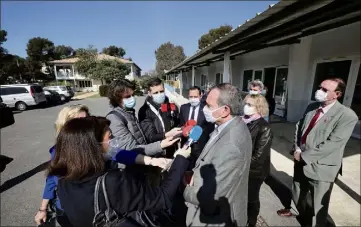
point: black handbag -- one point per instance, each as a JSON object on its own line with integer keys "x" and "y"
{"x": 109, "y": 218}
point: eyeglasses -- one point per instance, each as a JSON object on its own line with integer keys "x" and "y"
{"x": 248, "y": 104}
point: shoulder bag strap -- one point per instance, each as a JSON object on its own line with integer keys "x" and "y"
{"x": 96, "y": 195}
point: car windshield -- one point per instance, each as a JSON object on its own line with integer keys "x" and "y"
{"x": 69, "y": 88}
{"x": 63, "y": 88}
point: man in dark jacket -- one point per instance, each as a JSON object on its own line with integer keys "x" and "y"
{"x": 194, "y": 111}
{"x": 158, "y": 116}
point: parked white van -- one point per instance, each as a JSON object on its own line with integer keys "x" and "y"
{"x": 21, "y": 96}
{"x": 65, "y": 92}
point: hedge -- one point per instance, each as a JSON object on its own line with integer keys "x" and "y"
{"x": 103, "y": 90}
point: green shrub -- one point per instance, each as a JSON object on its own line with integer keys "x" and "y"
{"x": 103, "y": 90}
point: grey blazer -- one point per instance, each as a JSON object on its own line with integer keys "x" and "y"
{"x": 326, "y": 142}
{"x": 218, "y": 196}
{"x": 126, "y": 126}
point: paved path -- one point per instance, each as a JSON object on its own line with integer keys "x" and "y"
{"x": 28, "y": 142}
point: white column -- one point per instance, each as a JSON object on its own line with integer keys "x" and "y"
{"x": 193, "y": 75}
{"x": 227, "y": 67}
{"x": 299, "y": 82}
{"x": 72, "y": 66}
{"x": 56, "y": 75}
{"x": 180, "y": 82}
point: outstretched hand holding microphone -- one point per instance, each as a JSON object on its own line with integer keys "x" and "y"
{"x": 194, "y": 134}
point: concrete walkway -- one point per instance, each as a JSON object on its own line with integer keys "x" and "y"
{"x": 85, "y": 95}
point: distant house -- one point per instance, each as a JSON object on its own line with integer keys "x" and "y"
{"x": 65, "y": 71}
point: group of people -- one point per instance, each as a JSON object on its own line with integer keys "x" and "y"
{"x": 157, "y": 181}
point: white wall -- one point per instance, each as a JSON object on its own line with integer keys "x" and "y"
{"x": 335, "y": 44}
{"x": 269, "y": 57}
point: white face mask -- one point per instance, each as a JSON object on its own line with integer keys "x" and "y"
{"x": 252, "y": 92}
{"x": 194, "y": 101}
{"x": 208, "y": 114}
{"x": 320, "y": 96}
{"x": 249, "y": 110}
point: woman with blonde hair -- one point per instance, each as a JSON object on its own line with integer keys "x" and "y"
{"x": 255, "y": 109}
{"x": 49, "y": 195}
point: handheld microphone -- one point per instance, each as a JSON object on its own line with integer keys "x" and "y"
{"x": 194, "y": 136}
{"x": 190, "y": 123}
{"x": 186, "y": 130}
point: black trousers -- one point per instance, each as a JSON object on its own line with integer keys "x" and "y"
{"x": 254, "y": 187}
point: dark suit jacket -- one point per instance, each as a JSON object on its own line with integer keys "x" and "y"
{"x": 201, "y": 121}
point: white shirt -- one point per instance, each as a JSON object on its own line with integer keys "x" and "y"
{"x": 196, "y": 111}
{"x": 323, "y": 112}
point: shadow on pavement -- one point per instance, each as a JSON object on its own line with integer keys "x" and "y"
{"x": 17, "y": 180}
{"x": 281, "y": 184}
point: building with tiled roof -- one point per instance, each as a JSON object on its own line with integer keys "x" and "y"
{"x": 65, "y": 71}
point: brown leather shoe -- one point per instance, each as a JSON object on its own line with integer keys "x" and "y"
{"x": 285, "y": 213}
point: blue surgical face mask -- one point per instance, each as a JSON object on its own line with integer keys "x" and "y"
{"x": 129, "y": 102}
{"x": 159, "y": 98}
{"x": 113, "y": 147}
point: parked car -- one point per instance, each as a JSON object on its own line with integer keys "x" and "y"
{"x": 52, "y": 97}
{"x": 21, "y": 96}
{"x": 65, "y": 93}
{"x": 6, "y": 115}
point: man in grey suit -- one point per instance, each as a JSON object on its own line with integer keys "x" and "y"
{"x": 217, "y": 193}
{"x": 320, "y": 139}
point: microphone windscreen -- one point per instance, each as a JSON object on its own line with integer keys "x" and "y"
{"x": 164, "y": 107}
{"x": 196, "y": 133}
{"x": 190, "y": 123}
{"x": 186, "y": 130}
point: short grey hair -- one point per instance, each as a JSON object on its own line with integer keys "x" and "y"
{"x": 256, "y": 83}
{"x": 229, "y": 96}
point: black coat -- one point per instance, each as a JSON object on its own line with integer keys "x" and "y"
{"x": 125, "y": 193}
{"x": 151, "y": 124}
{"x": 262, "y": 136}
{"x": 201, "y": 121}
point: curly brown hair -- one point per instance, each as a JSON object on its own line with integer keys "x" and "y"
{"x": 117, "y": 88}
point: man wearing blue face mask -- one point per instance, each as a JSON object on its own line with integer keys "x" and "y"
{"x": 124, "y": 124}
{"x": 158, "y": 117}
{"x": 194, "y": 111}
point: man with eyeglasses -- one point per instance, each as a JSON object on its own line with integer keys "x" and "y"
{"x": 320, "y": 139}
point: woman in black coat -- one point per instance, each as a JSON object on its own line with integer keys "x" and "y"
{"x": 255, "y": 108}
{"x": 81, "y": 146}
